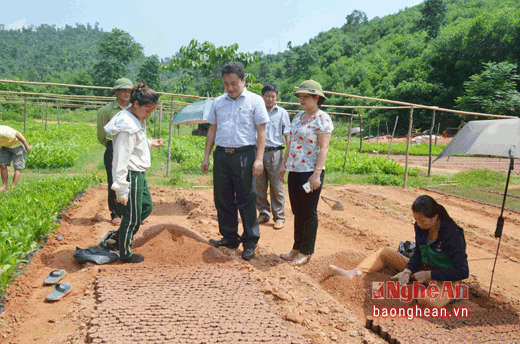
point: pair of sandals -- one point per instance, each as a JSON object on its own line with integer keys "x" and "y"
{"x": 60, "y": 289}
{"x": 292, "y": 258}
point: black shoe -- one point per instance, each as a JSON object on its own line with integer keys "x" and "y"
{"x": 110, "y": 241}
{"x": 224, "y": 242}
{"x": 134, "y": 258}
{"x": 263, "y": 219}
{"x": 248, "y": 254}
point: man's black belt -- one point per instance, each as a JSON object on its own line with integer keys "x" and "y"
{"x": 270, "y": 149}
{"x": 235, "y": 150}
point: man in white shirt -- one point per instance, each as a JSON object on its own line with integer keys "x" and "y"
{"x": 277, "y": 133}
{"x": 237, "y": 126}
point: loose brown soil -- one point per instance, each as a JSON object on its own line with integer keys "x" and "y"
{"x": 302, "y": 304}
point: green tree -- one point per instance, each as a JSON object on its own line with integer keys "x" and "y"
{"x": 306, "y": 61}
{"x": 433, "y": 16}
{"x": 207, "y": 59}
{"x": 355, "y": 19}
{"x": 115, "y": 50}
{"x": 80, "y": 77}
{"x": 149, "y": 72}
{"x": 492, "y": 91}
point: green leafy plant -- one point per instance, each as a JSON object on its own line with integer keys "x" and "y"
{"x": 29, "y": 213}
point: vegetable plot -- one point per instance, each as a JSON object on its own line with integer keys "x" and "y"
{"x": 29, "y": 213}
{"x": 58, "y": 146}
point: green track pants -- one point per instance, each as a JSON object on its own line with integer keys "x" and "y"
{"x": 137, "y": 209}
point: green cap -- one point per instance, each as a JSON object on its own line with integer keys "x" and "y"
{"x": 310, "y": 87}
{"x": 122, "y": 84}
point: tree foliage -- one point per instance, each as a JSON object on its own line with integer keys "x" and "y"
{"x": 492, "y": 91}
{"x": 149, "y": 72}
{"x": 47, "y": 53}
{"x": 115, "y": 50}
{"x": 433, "y": 17}
{"x": 388, "y": 57}
{"x": 207, "y": 60}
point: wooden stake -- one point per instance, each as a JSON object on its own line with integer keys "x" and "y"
{"x": 46, "y": 114}
{"x": 160, "y": 118}
{"x": 430, "y": 156}
{"x": 438, "y": 132}
{"x": 377, "y": 139}
{"x": 169, "y": 142}
{"x": 360, "y": 133}
{"x": 155, "y": 124}
{"x": 348, "y": 141}
{"x": 408, "y": 147}
{"x": 58, "y": 112}
{"x": 25, "y": 116}
{"x": 392, "y": 137}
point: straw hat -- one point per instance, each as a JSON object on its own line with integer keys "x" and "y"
{"x": 310, "y": 87}
{"x": 122, "y": 84}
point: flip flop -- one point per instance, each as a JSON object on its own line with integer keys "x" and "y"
{"x": 55, "y": 276}
{"x": 60, "y": 290}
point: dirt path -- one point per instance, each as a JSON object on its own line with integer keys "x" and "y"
{"x": 306, "y": 303}
{"x": 457, "y": 163}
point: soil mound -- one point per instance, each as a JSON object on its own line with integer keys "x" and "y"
{"x": 173, "y": 245}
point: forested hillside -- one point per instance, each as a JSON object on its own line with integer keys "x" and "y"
{"x": 398, "y": 57}
{"x": 449, "y": 53}
{"x": 47, "y": 52}
{"x": 83, "y": 55}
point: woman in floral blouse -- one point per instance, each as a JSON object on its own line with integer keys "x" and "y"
{"x": 305, "y": 160}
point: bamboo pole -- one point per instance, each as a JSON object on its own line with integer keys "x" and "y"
{"x": 438, "y": 132}
{"x": 160, "y": 118}
{"x": 58, "y": 112}
{"x": 92, "y": 87}
{"x": 408, "y": 147}
{"x": 46, "y": 114}
{"x": 43, "y": 115}
{"x": 416, "y": 105}
{"x": 360, "y": 134}
{"x": 388, "y": 131}
{"x": 377, "y": 139}
{"x": 347, "y": 106}
{"x": 169, "y": 142}
{"x": 348, "y": 141}
{"x": 155, "y": 124}
{"x": 430, "y": 155}
{"x": 392, "y": 137}
{"x": 24, "y": 116}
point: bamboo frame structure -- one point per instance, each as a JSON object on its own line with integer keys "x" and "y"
{"x": 95, "y": 102}
{"x": 411, "y": 106}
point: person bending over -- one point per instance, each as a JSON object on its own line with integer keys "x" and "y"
{"x": 439, "y": 256}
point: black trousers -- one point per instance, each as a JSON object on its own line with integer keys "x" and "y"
{"x": 304, "y": 207}
{"x": 234, "y": 189}
{"x": 113, "y": 206}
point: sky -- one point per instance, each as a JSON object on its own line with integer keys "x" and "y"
{"x": 162, "y": 27}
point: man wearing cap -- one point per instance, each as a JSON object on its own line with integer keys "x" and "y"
{"x": 237, "y": 126}
{"x": 277, "y": 133}
{"x": 123, "y": 90}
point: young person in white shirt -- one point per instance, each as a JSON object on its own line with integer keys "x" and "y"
{"x": 131, "y": 160}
